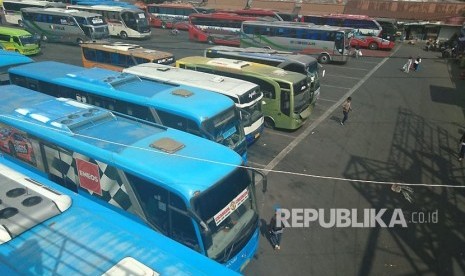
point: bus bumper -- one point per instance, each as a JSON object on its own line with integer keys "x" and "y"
{"x": 240, "y": 261}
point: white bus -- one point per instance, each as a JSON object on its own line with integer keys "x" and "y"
{"x": 246, "y": 95}
{"x": 63, "y": 25}
{"x": 122, "y": 22}
{"x": 12, "y": 9}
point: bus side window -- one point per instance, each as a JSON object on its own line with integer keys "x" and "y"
{"x": 18, "y": 80}
{"x": 133, "y": 110}
{"x": 182, "y": 66}
{"x": 154, "y": 202}
{"x": 294, "y": 67}
{"x": 89, "y": 54}
{"x": 285, "y": 103}
{"x": 182, "y": 228}
{"x": 193, "y": 128}
{"x": 16, "y": 40}
{"x": 172, "y": 120}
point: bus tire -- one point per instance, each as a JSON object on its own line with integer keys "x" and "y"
{"x": 123, "y": 35}
{"x": 163, "y": 25}
{"x": 373, "y": 46}
{"x": 20, "y": 23}
{"x": 323, "y": 59}
{"x": 269, "y": 123}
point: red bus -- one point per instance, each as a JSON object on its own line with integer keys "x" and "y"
{"x": 217, "y": 28}
{"x": 255, "y": 13}
{"x": 174, "y": 16}
{"x": 362, "y": 24}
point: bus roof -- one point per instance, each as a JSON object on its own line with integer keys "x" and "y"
{"x": 128, "y": 49}
{"x": 224, "y": 16}
{"x": 61, "y": 11}
{"x": 229, "y": 86}
{"x": 105, "y": 8}
{"x": 267, "y": 54}
{"x": 44, "y": 3}
{"x": 12, "y": 58}
{"x": 121, "y": 141}
{"x": 200, "y": 105}
{"x": 246, "y": 66}
{"x": 89, "y": 238}
{"x": 13, "y": 31}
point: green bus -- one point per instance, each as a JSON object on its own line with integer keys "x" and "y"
{"x": 287, "y": 99}
{"x": 18, "y": 40}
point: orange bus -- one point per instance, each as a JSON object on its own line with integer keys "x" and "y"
{"x": 117, "y": 56}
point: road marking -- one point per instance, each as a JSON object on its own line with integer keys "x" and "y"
{"x": 338, "y": 87}
{"x": 280, "y": 134}
{"x": 326, "y": 100}
{"x": 342, "y": 76}
{"x": 352, "y": 68}
{"x": 320, "y": 119}
{"x": 255, "y": 164}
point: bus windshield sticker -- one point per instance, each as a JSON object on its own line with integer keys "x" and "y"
{"x": 141, "y": 15}
{"x": 97, "y": 20}
{"x": 229, "y": 132}
{"x": 231, "y": 207}
{"x": 89, "y": 177}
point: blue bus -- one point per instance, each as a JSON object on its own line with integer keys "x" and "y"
{"x": 57, "y": 232}
{"x": 7, "y": 60}
{"x": 194, "y": 110}
{"x": 190, "y": 189}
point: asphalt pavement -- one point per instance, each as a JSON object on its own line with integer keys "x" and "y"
{"x": 403, "y": 128}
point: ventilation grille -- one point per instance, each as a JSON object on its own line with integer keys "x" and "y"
{"x": 167, "y": 145}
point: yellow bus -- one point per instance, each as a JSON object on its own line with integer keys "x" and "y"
{"x": 117, "y": 56}
{"x": 18, "y": 40}
{"x": 287, "y": 97}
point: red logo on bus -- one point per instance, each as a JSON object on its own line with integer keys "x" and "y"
{"x": 89, "y": 177}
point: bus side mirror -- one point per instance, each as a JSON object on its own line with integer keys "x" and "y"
{"x": 323, "y": 73}
{"x": 263, "y": 102}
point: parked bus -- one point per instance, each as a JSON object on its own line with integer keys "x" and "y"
{"x": 122, "y": 22}
{"x": 186, "y": 108}
{"x": 329, "y": 44}
{"x": 64, "y": 25}
{"x": 19, "y": 41}
{"x": 257, "y": 13}
{"x": 117, "y": 56}
{"x": 12, "y": 9}
{"x": 10, "y": 59}
{"x": 246, "y": 95}
{"x": 107, "y": 242}
{"x": 362, "y": 24}
{"x": 185, "y": 187}
{"x": 173, "y": 15}
{"x": 303, "y": 64}
{"x": 216, "y": 28}
{"x": 389, "y": 26}
{"x": 286, "y": 94}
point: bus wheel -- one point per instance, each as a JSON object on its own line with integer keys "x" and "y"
{"x": 269, "y": 123}
{"x": 373, "y": 46}
{"x": 123, "y": 35}
{"x": 20, "y": 23}
{"x": 323, "y": 59}
{"x": 210, "y": 40}
{"x": 163, "y": 25}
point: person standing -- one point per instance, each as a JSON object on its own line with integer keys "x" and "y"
{"x": 416, "y": 64}
{"x": 276, "y": 230}
{"x": 346, "y": 108}
{"x": 408, "y": 65}
{"x": 462, "y": 147}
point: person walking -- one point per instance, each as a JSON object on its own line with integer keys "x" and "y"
{"x": 462, "y": 147}
{"x": 346, "y": 108}
{"x": 276, "y": 230}
{"x": 416, "y": 64}
{"x": 408, "y": 65}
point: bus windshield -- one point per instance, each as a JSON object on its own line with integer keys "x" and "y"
{"x": 223, "y": 128}
{"x": 27, "y": 39}
{"x": 252, "y": 112}
{"x": 229, "y": 210}
{"x": 301, "y": 96}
